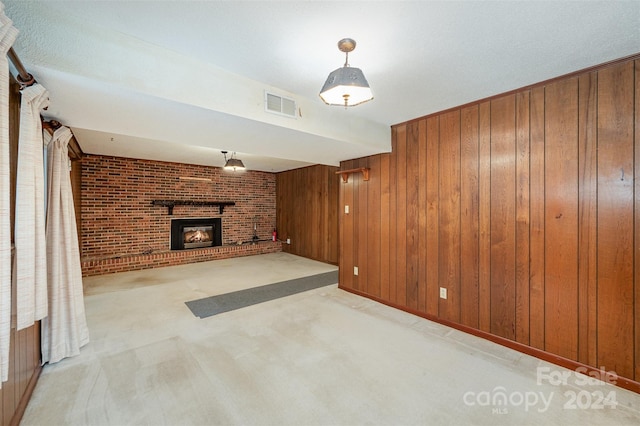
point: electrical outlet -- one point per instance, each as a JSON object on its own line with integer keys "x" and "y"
{"x": 443, "y": 293}
{"x": 288, "y": 240}
{"x": 346, "y": 209}
{"x": 355, "y": 270}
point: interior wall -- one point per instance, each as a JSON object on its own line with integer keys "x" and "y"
{"x": 307, "y": 212}
{"x": 24, "y": 355}
{"x": 524, "y": 207}
{"x": 122, "y": 231}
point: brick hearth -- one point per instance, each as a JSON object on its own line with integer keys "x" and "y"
{"x": 169, "y": 258}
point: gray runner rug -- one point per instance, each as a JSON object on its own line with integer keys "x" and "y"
{"x": 213, "y": 305}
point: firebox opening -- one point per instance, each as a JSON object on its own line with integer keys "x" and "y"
{"x": 197, "y": 236}
{"x": 195, "y": 233}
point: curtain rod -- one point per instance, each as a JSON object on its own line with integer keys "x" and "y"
{"x": 24, "y": 78}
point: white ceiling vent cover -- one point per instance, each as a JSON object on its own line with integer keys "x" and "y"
{"x": 279, "y": 105}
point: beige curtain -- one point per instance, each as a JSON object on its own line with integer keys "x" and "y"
{"x": 30, "y": 259}
{"x": 7, "y": 36}
{"x": 64, "y": 330}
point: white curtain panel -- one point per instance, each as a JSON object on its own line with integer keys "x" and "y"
{"x": 30, "y": 259}
{"x": 7, "y": 36}
{"x": 64, "y": 330}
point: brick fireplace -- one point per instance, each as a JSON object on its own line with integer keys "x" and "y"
{"x": 122, "y": 229}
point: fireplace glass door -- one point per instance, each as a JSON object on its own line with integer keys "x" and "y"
{"x": 195, "y": 233}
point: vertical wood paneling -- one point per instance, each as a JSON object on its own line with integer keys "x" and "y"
{"x": 341, "y": 231}
{"x": 385, "y": 224}
{"x": 311, "y": 201}
{"x": 522, "y": 217}
{"x": 22, "y": 362}
{"x": 537, "y": 220}
{"x": 525, "y": 208}
{"x": 34, "y": 347}
{"x": 469, "y": 216}
{"x": 317, "y": 240}
{"x": 401, "y": 217}
{"x": 615, "y": 218}
{"x": 503, "y": 235}
{"x": 10, "y": 391}
{"x": 356, "y": 215}
{"x": 363, "y": 226}
{"x": 373, "y": 223}
{"x": 28, "y": 352}
{"x": 484, "y": 216}
{"x": 433, "y": 189}
{"x": 332, "y": 254}
{"x": 637, "y": 221}
{"x": 307, "y": 212}
{"x": 412, "y": 225}
{"x": 449, "y": 214}
{"x": 393, "y": 228}
{"x": 561, "y": 218}
{"x": 587, "y": 302}
{"x": 422, "y": 219}
{"x": 346, "y": 251}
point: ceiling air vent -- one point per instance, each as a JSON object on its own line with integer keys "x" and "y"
{"x": 279, "y": 105}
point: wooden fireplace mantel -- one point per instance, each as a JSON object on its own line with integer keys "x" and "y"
{"x": 170, "y": 204}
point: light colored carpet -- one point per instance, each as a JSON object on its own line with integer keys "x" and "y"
{"x": 323, "y": 357}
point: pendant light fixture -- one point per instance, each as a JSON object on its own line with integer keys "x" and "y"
{"x": 232, "y": 164}
{"x": 346, "y": 86}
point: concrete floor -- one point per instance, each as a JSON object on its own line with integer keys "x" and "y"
{"x": 324, "y": 357}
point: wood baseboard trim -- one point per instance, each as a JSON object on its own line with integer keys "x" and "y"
{"x": 622, "y": 382}
{"x": 22, "y": 406}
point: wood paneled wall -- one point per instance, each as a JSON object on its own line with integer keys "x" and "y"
{"x": 307, "y": 212}
{"x": 24, "y": 355}
{"x": 524, "y": 207}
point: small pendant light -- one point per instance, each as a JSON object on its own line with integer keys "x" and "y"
{"x": 346, "y": 86}
{"x": 232, "y": 163}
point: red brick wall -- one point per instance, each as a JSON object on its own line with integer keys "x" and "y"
{"x": 119, "y": 221}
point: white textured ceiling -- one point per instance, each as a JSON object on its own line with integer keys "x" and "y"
{"x": 182, "y": 80}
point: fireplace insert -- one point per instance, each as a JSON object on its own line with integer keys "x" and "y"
{"x": 196, "y": 233}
